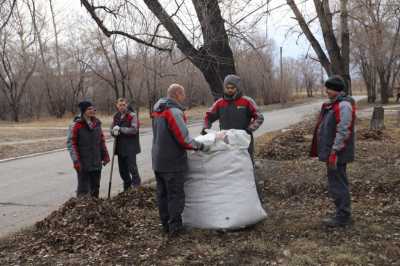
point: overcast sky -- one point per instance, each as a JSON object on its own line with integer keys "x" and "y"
{"x": 280, "y": 21}
{"x": 283, "y": 29}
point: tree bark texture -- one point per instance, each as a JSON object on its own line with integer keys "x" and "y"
{"x": 377, "y": 120}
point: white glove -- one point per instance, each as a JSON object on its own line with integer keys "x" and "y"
{"x": 115, "y": 131}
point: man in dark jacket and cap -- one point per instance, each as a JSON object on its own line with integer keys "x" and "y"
{"x": 125, "y": 129}
{"x": 87, "y": 148}
{"x": 171, "y": 139}
{"x": 235, "y": 111}
{"x": 333, "y": 143}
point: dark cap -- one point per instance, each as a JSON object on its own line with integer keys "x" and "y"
{"x": 335, "y": 83}
{"x": 84, "y": 105}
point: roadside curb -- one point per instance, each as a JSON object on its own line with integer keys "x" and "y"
{"x": 145, "y": 131}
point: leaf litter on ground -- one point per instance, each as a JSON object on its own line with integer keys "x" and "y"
{"x": 125, "y": 230}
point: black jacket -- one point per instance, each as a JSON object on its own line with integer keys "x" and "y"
{"x": 237, "y": 112}
{"x": 128, "y": 139}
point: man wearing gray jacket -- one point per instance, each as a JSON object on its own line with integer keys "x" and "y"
{"x": 125, "y": 130}
{"x": 171, "y": 139}
{"x": 333, "y": 143}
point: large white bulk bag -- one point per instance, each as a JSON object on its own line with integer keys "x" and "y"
{"x": 220, "y": 191}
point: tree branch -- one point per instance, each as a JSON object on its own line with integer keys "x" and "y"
{"x": 183, "y": 44}
{"x": 9, "y": 15}
{"x": 92, "y": 11}
{"x": 310, "y": 36}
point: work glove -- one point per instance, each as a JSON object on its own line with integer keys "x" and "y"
{"x": 116, "y": 131}
{"x": 203, "y": 132}
{"x": 77, "y": 166}
{"x": 332, "y": 160}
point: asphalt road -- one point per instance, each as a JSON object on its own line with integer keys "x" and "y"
{"x": 30, "y": 188}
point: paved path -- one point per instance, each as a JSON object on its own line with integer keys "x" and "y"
{"x": 32, "y": 187}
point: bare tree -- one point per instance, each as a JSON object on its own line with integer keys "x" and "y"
{"x": 378, "y": 43}
{"x": 336, "y": 58}
{"x": 309, "y": 77}
{"x": 365, "y": 61}
{"x": 108, "y": 67}
{"x": 214, "y": 58}
{"x": 6, "y": 10}
{"x": 18, "y": 60}
{"x": 255, "y": 66}
{"x": 53, "y": 77}
{"x": 76, "y": 76}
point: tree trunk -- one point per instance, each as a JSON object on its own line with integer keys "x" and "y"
{"x": 214, "y": 59}
{"x": 377, "y": 120}
{"x": 15, "y": 113}
{"x": 384, "y": 93}
{"x": 384, "y": 83}
{"x": 371, "y": 87}
{"x": 339, "y": 55}
{"x": 215, "y": 74}
{"x": 369, "y": 77}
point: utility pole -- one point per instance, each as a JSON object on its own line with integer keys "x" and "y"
{"x": 281, "y": 76}
{"x": 265, "y": 93}
{"x": 322, "y": 80}
{"x": 266, "y": 21}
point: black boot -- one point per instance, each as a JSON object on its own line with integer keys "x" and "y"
{"x": 177, "y": 232}
{"x": 337, "y": 222}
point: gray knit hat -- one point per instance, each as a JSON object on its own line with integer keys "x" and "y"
{"x": 232, "y": 80}
{"x": 335, "y": 83}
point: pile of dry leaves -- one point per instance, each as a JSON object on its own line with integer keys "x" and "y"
{"x": 291, "y": 143}
{"x": 125, "y": 229}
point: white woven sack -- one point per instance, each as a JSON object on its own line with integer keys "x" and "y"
{"x": 220, "y": 190}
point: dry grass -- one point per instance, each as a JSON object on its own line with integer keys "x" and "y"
{"x": 296, "y": 201}
{"x": 297, "y": 197}
{"x": 48, "y": 133}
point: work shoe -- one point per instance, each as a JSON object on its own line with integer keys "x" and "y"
{"x": 177, "y": 232}
{"x": 337, "y": 222}
{"x": 127, "y": 188}
{"x": 164, "y": 230}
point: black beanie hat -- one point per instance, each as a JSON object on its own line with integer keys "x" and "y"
{"x": 84, "y": 105}
{"x": 335, "y": 83}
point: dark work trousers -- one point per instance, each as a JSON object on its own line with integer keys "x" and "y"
{"x": 88, "y": 183}
{"x": 251, "y": 148}
{"x": 338, "y": 188}
{"x": 128, "y": 170}
{"x": 258, "y": 182}
{"x": 171, "y": 199}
